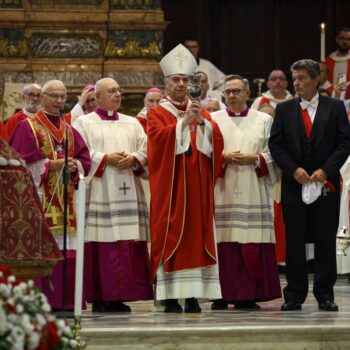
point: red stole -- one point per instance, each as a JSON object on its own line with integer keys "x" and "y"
{"x": 171, "y": 235}
{"x": 143, "y": 122}
{"x": 263, "y": 101}
{"x": 331, "y": 63}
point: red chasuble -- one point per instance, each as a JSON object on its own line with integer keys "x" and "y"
{"x": 13, "y": 121}
{"x": 143, "y": 122}
{"x": 3, "y": 133}
{"x": 331, "y": 63}
{"x": 182, "y": 200}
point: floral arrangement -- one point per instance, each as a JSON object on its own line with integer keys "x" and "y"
{"x": 25, "y": 319}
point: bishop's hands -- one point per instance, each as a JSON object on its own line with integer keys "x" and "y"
{"x": 121, "y": 160}
{"x": 57, "y": 164}
{"x": 301, "y": 176}
{"x": 193, "y": 113}
{"x": 240, "y": 158}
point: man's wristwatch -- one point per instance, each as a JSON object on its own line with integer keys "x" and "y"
{"x": 202, "y": 123}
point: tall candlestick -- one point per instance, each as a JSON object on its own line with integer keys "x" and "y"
{"x": 79, "y": 266}
{"x": 323, "y": 41}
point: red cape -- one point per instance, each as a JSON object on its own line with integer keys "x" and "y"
{"x": 171, "y": 236}
{"x": 3, "y": 133}
{"x": 143, "y": 122}
{"x": 13, "y": 121}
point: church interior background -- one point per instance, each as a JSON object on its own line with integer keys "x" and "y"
{"x": 80, "y": 41}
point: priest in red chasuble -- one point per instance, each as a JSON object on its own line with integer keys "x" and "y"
{"x": 184, "y": 157}
{"x": 40, "y": 140}
{"x": 31, "y": 103}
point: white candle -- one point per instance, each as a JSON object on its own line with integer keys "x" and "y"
{"x": 79, "y": 266}
{"x": 323, "y": 41}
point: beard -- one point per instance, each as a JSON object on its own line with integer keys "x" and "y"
{"x": 32, "y": 108}
{"x": 342, "y": 49}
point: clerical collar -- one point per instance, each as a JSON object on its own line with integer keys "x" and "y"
{"x": 179, "y": 105}
{"x": 243, "y": 113}
{"x": 107, "y": 115}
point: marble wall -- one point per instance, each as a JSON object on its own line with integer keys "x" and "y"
{"x": 80, "y": 41}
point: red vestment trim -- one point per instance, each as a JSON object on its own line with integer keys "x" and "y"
{"x": 263, "y": 170}
{"x": 263, "y": 101}
{"x": 331, "y": 64}
{"x": 57, "y": 134}
{"x": 99, "y": 172}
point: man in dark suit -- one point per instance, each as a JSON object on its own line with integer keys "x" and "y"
{"x": 310, "y": 141}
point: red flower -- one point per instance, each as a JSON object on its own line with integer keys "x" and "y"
{"x": 43, "y": 345}
{"x": 5, "y": 270}
{"x": 10, "y": 307}
{"x": 3, "y": 280}
{"x": 52, "y": 333}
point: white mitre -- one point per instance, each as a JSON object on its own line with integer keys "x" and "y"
{"x": 178, "y": 61}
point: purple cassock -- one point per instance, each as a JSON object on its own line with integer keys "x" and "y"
{"x": 248, "y": 272}
{"x": 24, "y": 142}
{"x": 116, "y": 271}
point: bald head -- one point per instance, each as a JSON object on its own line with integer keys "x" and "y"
{"x": 52, "y": 85}
{"x": 108, "y": 94}
{"x": 54, "y": 97}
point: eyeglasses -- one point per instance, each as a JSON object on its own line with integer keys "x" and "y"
{"x": 55, "y": 96}
{"x": 33, "y": 96}
{"x": 90, "y": 100}
{"x": 235, "y": 92}
{"x": 277, "y": 78}
{"x": 191, "y": 46}
{"x": 114, "y": 91}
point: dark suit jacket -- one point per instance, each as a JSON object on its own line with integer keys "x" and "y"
{"x": 330, "y": 136}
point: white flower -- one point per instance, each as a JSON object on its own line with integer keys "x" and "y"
{"x": 41, "y": 320}
{"x": 30, "y": 284}
{"x": 33, "y": 341}
{"x": 61, "y": 324}
{"x": 3, "y": 326}
{"x": 11, "y": 279}
{"x": 67, "y": 331}
{"x": 73, "y": 343}
{"x": 5, "y": 290}
{"x": 1, "y": 274}
{"x": 46, "y": 307}
{"x": 12, "y": 318}
{"x": 23, "y": 286}
{"x": 19, "y": 308}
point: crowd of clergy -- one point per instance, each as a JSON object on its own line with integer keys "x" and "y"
{"x": 198, "y": 197}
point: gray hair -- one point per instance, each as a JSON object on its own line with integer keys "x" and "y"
{"x": 238, "y": 77}
{"x": 311, "y": 66}
{"x": 27, "y": 87}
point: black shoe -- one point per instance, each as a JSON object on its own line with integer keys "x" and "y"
{"x": 99, "y": 306}
{"x": 246, "y": 305}
{"x": 192, "y": 306}
{"x": 219, "y": 304}
{"x": 328, "y": 305}
{"x": 172, "y": 305}
{"x": 291, "y": 305}
{"x": 117, "y": 306}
